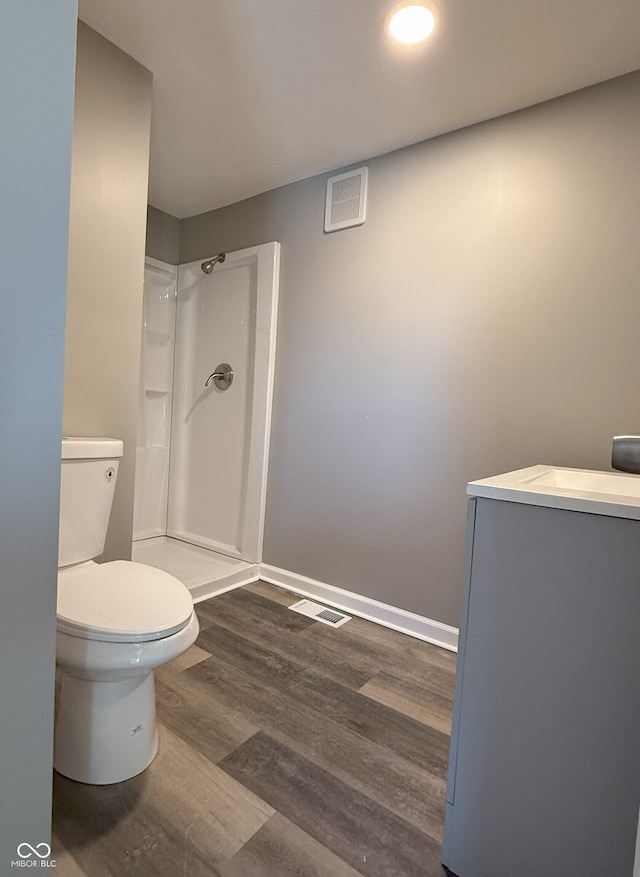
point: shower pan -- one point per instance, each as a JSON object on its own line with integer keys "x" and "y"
{"x": 204, "y": 434}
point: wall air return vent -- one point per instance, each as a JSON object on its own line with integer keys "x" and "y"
{"x": 346, "y": 203}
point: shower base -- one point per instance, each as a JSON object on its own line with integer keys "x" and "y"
{"x": 206, "y": 573}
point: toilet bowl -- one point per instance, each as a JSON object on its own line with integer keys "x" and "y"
{"x": 116, "y": 622}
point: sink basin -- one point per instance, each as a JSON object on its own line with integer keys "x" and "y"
{"x": 585, "y": 479}
{"x": 586, "y": 490}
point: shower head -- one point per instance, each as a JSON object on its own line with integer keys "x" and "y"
{"x": 207, "y": 266}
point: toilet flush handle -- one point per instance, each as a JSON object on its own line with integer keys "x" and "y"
{"x": 222, "y": 377}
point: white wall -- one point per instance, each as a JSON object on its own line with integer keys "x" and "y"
{"x": 106, "y": 259}
{"x": 484, "y": 318}
{"x": 37, "y": 52}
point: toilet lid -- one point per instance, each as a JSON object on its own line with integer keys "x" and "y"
{"x": 121, "y": 601}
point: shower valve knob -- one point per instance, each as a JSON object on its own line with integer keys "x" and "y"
{"x": 222, "y": 377}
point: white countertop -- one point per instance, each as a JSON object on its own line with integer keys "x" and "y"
{"x": 616, "y": 494}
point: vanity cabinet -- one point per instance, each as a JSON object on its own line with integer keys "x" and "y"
{"x": 544, "y": 777}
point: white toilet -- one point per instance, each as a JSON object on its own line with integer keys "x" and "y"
{"x": 117, "y": 622}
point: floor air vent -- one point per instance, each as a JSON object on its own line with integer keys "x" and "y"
{"x": 320, "y": 613}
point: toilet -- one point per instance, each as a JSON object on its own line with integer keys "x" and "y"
{"x": 117, "y": 622}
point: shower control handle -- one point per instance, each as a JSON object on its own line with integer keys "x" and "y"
{"x": 222, "y": 377}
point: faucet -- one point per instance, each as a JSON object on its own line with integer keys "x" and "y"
{"x": 625, "y": 453}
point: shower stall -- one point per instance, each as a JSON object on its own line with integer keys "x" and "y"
{"x": 205, "y": 410}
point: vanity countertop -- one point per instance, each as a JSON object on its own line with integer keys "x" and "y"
{"x": 614, "y": 494}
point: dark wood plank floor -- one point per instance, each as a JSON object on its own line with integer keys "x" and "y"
{"x": 287, "y": 749}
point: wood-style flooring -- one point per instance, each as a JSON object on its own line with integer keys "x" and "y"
{"x": 287, "y": 749}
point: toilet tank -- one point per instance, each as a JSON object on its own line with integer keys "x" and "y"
{"x": 88, "y": 481}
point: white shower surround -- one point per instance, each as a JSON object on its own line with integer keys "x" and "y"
{"x": 219, "y": 440}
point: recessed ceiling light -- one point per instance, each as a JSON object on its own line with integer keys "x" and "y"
{"x": 411, "y": 23}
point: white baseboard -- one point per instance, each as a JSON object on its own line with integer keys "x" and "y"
{"x": 417, "y": 626}
{"x": 365, "y": 607}
{"x": 227, "y": 583}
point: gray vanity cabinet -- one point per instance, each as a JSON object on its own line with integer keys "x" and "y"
{"x": 544, "y": 777}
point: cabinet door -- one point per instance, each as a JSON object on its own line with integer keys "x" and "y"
{"x": 547, "y": 722}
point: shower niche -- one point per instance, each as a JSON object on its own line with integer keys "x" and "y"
{"x": 203, "y": 442}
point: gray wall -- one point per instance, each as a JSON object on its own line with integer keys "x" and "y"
{"x": 163, "y": 236}
{"x": 106, "y": 259}
{"x": 37, "y": 48}
{"x": 484, "y": 318}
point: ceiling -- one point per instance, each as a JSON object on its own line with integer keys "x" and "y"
{"x": 251, "y": 94}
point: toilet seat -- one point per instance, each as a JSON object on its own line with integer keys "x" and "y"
{"x": 121, "y": 601}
